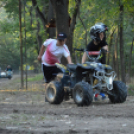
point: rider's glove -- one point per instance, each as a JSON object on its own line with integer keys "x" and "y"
{"x": 103, "y": 50}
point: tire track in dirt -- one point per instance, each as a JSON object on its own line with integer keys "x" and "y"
{"x": 6, "y": 80}
{"x": 67, "y": 118}
{"x": 96, "y": 109}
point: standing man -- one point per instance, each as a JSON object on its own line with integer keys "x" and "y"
{"x": 9, "y": 68}
{"x": 98, "y": 36}
{"x": 55, "y": 49}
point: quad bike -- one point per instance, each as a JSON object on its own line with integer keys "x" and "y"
{"x": 80, "y": 81}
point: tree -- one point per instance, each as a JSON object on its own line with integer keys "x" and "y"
{"x": 21, "y": 47}
{"x": 51, "y": 21}
{"x": 122, "y": 60}
{"x": 116, "y": 56}
{"x": 38, "y": 15}
{"x": 62, "y": 18}
{"x": 130, "y": 60}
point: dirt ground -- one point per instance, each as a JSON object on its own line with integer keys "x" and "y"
{"x": 26, "y": 112}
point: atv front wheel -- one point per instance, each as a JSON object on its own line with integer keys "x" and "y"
{"x": 54, "y": 92}
{"x": 83, "y": 94}
{"x": 119, "y": 92}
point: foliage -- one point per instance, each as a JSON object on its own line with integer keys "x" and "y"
{"x": 9, "y": 34}
{"x": 106, "y": 12}
{"x": 91, "y": 12}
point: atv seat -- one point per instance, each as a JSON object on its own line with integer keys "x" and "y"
{"x": 71, "y": 67}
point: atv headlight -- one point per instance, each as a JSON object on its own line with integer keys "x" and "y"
{"x": 109, "y": 77}
{"x": 110, "y": 81}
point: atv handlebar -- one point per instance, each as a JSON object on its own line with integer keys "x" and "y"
{"x": 92, "y": 53}
{"x": 89, "y": 52}
{"x": 82, "y": 50}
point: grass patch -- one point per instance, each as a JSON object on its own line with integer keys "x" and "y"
{"x": 131, "y": 89}
{"x": 37, "y": 77}
{"x": 21, "y": 120}
{"x": 130, "y": 92}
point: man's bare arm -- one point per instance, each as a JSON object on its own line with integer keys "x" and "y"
{"x": 84, "y": 57}
{"x": 42, "y": 49}
{"x": 69, "y": 60}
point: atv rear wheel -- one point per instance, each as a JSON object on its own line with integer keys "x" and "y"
{"x": 54, "y": 92}
{"x": 83, "y": 94}
{"x": 119, "y": 92}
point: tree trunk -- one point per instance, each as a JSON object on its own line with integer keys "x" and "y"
{"x": 40, "y": 14}
{"x": 116, "y": 56}
{"x": 25, "y": 43}
{"x": 62, "y": 19}
{"x": 31, "y": 19}
{"x": 110, "y": 46}
{"x": 130, "y": 60}
{"x": 21, "y": 47}
{"x": 39, "y": 38}
{"x": 113, "y": 56}
{"x": 86, "y": 41}
{"x": 122, "y": 46}
{"x": 73, "y": 22}
{"x": 51, "y": 30}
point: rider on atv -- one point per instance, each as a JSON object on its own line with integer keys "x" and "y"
{"x": 98, "y": 36}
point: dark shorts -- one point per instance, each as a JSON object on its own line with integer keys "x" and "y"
{"x": 50, "y": 72}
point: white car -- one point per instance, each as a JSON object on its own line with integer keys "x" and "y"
{"x": 3, "y": 74}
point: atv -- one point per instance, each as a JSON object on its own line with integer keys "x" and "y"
{"x": 80, "y": 81}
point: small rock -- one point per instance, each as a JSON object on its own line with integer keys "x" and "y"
{"x": 68, "y": 122}
{"x": 124, "y": 125}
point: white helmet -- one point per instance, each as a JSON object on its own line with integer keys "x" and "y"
{"x": 96, "y": 29}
